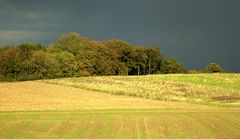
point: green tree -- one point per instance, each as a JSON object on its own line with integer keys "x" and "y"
{"x": 71, "y": 42}
{"x": 28, "y": 68}
{"x": 170, "y": 65}
{"x": 45, "y": 64}
{"x": 140, "y": 58}
{"x": 153, "y": 59}
{"x": 213, "y": 68}
{"x": 68, "y": 65}
{"x": 125, "y": 55}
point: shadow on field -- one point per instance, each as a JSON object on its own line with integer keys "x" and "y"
{"x": 226, "y": 98}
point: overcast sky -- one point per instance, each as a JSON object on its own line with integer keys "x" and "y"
{"x": 195, "y": 32}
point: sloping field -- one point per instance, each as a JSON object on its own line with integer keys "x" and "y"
{"x": 76, "y": 108}
{"x": 214, "y": 89}
{"x": 35, "y": 95}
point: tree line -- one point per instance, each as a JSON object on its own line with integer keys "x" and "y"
{"x": 73, "y": 56}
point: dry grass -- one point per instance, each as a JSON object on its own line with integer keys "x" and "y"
{"x": 35, "y": 95}
{"x": 197, "y": 88}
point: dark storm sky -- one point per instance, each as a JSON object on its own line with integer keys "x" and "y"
{"x": 196, "y": 32}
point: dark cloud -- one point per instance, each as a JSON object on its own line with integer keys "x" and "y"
{"x": 196, "y": 32}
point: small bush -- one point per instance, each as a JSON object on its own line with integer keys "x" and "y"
{"x": 213, "y": 68}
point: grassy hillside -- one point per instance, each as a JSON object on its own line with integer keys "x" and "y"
{"x": 121, "y": 124}
{"x": 217, "y": 89}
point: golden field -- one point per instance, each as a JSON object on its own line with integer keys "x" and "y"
{"x": 154, "y": 106}
{"x": 35, "y": 95}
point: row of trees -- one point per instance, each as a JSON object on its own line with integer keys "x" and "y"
{"x": 73, "y": 55}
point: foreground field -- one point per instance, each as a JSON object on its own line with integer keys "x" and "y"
{"x": 134, "y": 124}
{"x": 214, "y": 89}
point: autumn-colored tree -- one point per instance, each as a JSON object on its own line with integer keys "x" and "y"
{"x": 9, "y": 63}
{"x": 73, "y": 55}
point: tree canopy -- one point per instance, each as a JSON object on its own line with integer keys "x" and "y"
{"x": 213, "y": 68}
{"x": 73, "y": 56}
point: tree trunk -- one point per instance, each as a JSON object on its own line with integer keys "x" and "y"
{"x": 138, "y": 69}
{"x": 149, "y": 66}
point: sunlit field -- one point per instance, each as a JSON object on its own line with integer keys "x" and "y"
{"x": 152, "y": 106}
{"x": 216, "y": 89}
{"x": 133, "y": 124}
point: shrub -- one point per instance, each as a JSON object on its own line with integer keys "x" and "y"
{"x": 213, "y": 68}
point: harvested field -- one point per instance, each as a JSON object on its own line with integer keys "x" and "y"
{"x": 35, "y": 95}
{"x": 90, "y": 108}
